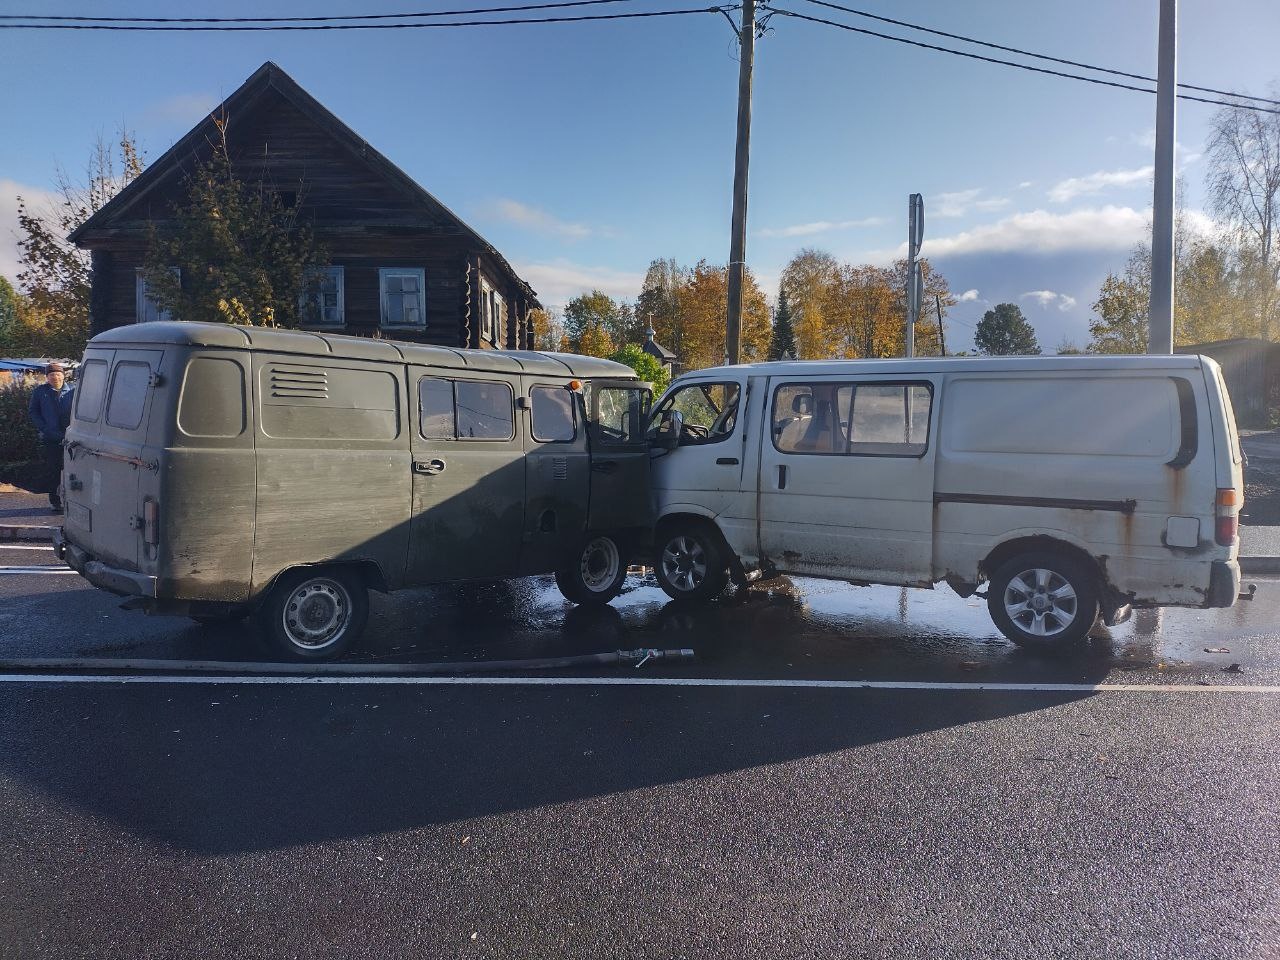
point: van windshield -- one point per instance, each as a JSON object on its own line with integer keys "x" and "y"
{"x": 618, "y": 414}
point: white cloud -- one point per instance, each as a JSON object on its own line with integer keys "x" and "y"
{"x": 1047, "y": 298}
{"x": 1026, "y": 183}
{"x": 38, "y": 199}
{"x": 819, "y": 226}
{"x": 559, "y": 281}
{"x": 536, "y": 220}
{"x": 1040, "y": 231}
{"x": 969, "y": 296}
{"x": 960, "y": 202}
{"x": 1073, "y": 187}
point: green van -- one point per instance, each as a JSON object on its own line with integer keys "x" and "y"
{"x": 215, "y": 471}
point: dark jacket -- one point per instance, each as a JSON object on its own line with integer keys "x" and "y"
{"x": 51, "y": 411}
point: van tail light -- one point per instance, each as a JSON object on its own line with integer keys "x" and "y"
{"x": 150, "y": 521}
{"x": 1227, "y": 517}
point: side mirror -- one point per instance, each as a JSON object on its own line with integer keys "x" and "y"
{"x": 667, "y": 435}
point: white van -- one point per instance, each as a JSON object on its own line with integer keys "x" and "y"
{"x": 1074, "y": 487}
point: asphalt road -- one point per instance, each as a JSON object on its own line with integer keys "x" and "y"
{"x": 482, "y": 819}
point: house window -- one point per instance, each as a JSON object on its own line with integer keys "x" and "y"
{"x": 322, "y": 300}
{"x": 403, "y": 297}
{"x": 496, "y": 308}
{"x": 486, "y": 312}
{"x": 147, "y": 310}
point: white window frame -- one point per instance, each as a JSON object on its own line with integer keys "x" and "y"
{"x": 307, "y": 299}
{"x": 496, "y": 325}
{"x": 142, "y": 304}
{"x": 386, "y": 273}
{"x": 486, "y": 311}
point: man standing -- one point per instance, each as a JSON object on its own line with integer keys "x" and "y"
{"x": 51, "y": 414}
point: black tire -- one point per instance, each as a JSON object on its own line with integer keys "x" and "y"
{"x": 690, "y": 563}
{"x": 315, "y": 614}
{"x": 597, "y": 573}
{"x": 1044, "y": 601}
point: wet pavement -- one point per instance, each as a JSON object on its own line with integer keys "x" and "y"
{"x": 798, "y": 629}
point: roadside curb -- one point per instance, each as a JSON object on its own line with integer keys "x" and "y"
{"x": 1259, "y": 564}
{"x": 34, "y": 533}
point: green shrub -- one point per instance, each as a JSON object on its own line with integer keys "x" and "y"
{"x": 645, "y": 365}
{"x": 18, "y": 440}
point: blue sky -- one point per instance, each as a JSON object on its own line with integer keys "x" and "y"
{"x": 583, "y": 151}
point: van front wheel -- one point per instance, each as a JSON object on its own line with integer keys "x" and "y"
{"x": 316, "y": 614}
{"x": 596, "y": 574}
{"x": 1043, "y": 601}
{"x": 691, "y": 566}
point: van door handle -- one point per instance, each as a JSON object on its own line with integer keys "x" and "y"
{"x": 782, "y": 476}
{"x": 429, "y": 467}
{"x": 604, "y": 466}
{"x": 727, "y": 461}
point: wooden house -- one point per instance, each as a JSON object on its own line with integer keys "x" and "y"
{"x": 402, "y": 264}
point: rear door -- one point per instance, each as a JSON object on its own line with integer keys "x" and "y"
{"x": 468, "y": 477}
{"x": 107, "y": 466}
{"x": 846, "y": 478}
{"x": 618, "y": 413}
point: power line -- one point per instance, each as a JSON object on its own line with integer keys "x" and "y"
{"x": 1028, "y": 53}
{"x": 1009, "y": 63}
{"x": 315, "y": 19}
{"x": 227, "y": 28}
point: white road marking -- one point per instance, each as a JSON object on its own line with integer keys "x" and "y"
{"x": 15, "y": 546}
{"x": 33, "y": 569}
{"x": 178, "y": 678}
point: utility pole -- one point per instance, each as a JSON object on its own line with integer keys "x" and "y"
{"x": 1160, "y": 317}
{"x": 738, "y": 240}
{"x": 915, "y": 286}
{"x": 942, "y": 335}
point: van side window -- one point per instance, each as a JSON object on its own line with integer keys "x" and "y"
{"x": 91, "y": 387}
{"x": 862, "y": 419}
{"x": 465, "y": 409}
{"x": 710, "y": 411}
{"x": 128, "y": 398}
{"x": 554, "y": 419}
{"x": 435, "y": 409}
{"x": 212, "y": 402}
{"x": 486, "y": 410}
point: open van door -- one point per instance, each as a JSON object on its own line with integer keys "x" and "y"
{"x": 617, "y": 418}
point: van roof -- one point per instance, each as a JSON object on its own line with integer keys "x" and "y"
{"x": 311, "y": 343}
{"x": 918, "y": 365}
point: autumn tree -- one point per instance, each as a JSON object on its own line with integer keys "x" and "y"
{"x": 1005, "y": 332}
{"x": 807, "y": 280}
{"x": 782, "y": 341}
{"x": 9, "y": 307}
{"x": 54, "y": 274}
{"x": 548, "y": 331}
{"x": 234, "y": 251}
{"x": 590, "y": 320}
{"x": 702, "y": 307}
{"x": 658, "y": 305}
{"x": 1244, "y": 191}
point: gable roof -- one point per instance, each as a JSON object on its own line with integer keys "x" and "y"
{"x": 268, "y": 77}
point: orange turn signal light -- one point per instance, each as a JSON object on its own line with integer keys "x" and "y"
{"x": 575, "y": 384}
{"x": 1228, "y": 498}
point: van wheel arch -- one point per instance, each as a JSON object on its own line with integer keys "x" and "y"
{"x": 1110, "y": 599}
{"x": 369, "y": 572}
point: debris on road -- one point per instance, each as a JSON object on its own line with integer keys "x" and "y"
{"x": 1216, "y": 650}
{"x": 1234, "y": 668}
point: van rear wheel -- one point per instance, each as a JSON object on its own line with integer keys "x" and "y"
{"x": 1044, "y": 601}
{"x": 596, "y": 574}
{"x": 691, "y": 564}
{"x": 316, "y": 614}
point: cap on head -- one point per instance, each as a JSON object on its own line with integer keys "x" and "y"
{"x": 54, "y": 368}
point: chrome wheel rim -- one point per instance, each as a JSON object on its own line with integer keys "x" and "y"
{"x": 1041, "y": 602}
{"x": 317, "y": 613}
{"x": 600, "y": 564}
{"x": 684, "y": 563}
